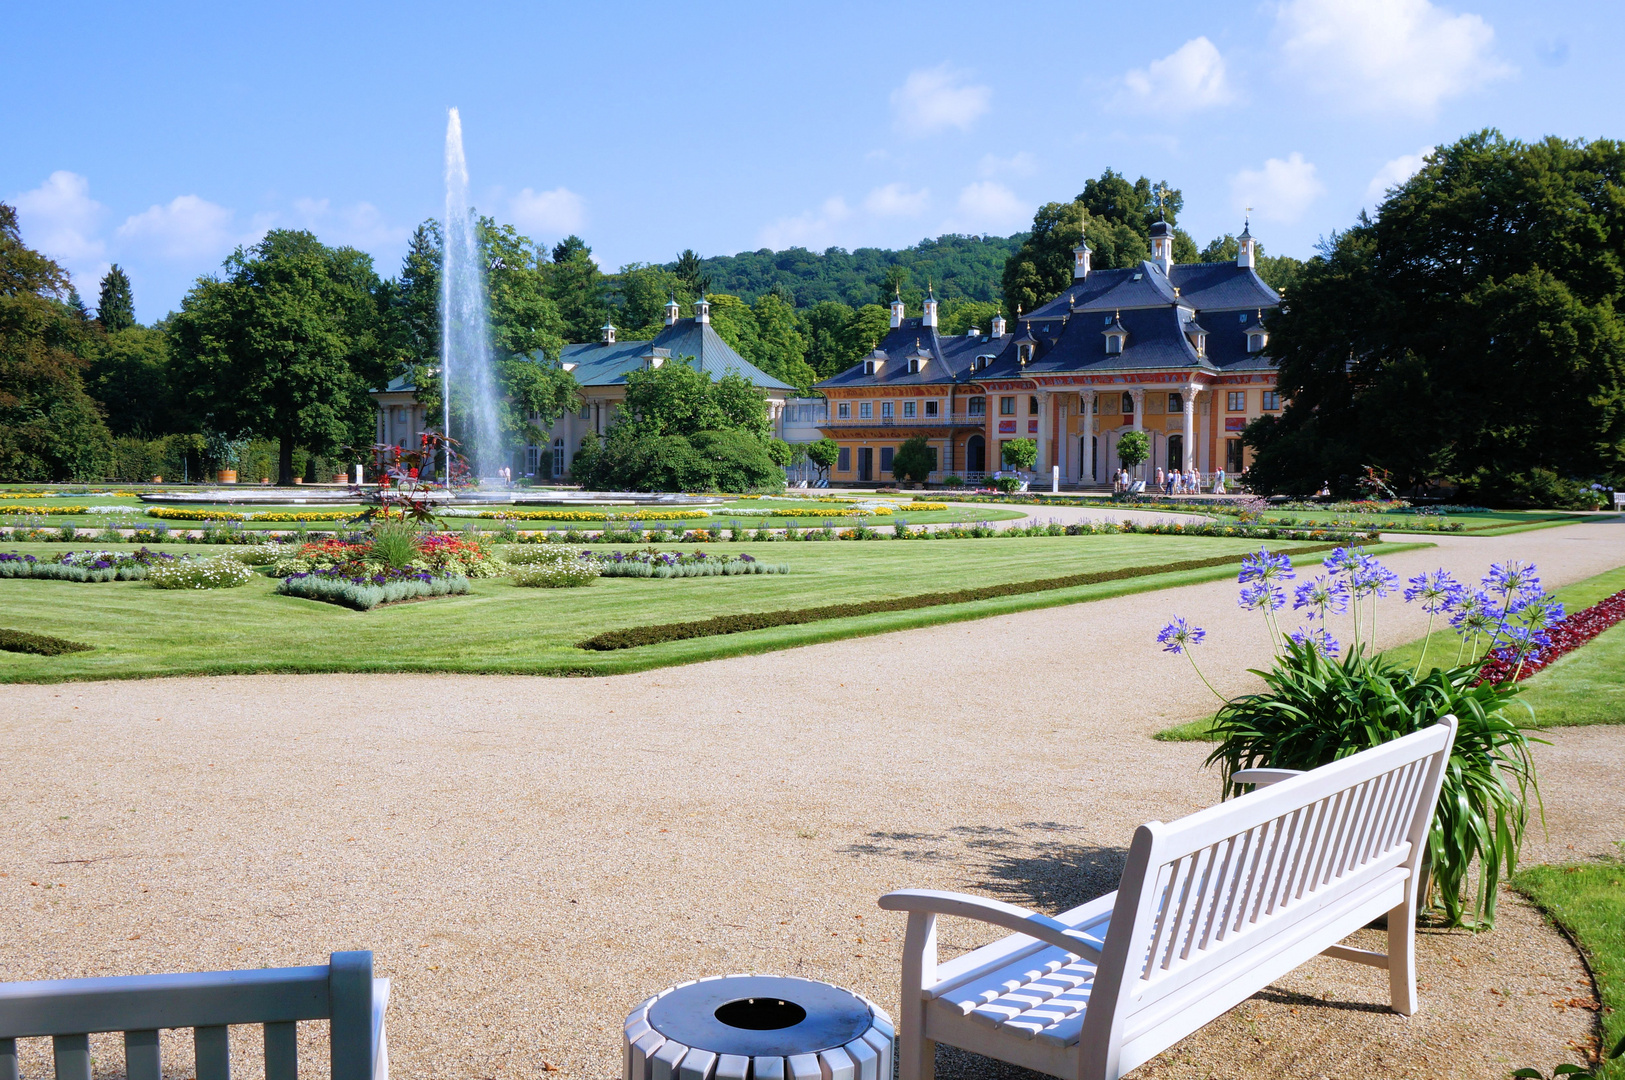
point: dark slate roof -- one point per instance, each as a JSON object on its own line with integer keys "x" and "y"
{"x": 1223, "y": 299}
{"x": 598, "y": 364}
{"x": 400, "y": 384}
{"x": 949, "y": 358}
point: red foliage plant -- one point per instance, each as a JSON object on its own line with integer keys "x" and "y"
{"x": 1567, "y": 635}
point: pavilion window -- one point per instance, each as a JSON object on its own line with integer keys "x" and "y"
{"x": 909, "y": 409}
{"x": 1176, "y": 403}
{"x": 930, "y": 408}
{"x": 1272, "y": 400}
{"x": 977, "y": 406}
{"x": 1128, "y": 403}
{"x": 866, "y": 410}
{"x": 1236, "y": 401}
{"x": 887, "y": 410}
{"x": 1032, "y": 406}
{"x": 1007, "y": 406}
{"x": 886, "y": 453}
{"x": 843, "y": 461}
{"x": 843, "y": 410}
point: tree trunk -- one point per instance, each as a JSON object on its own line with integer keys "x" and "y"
{"x": 284, "y": 462}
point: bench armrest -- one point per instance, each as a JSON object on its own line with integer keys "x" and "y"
{"x": 997, "y": 912}
{"x": 1263, "y": 777}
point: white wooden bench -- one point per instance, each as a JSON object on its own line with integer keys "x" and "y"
{"x": 68, "y": 1011}
{"x": 1210, "y": 909}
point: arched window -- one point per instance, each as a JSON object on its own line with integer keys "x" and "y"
{"x": 558, "y": 457}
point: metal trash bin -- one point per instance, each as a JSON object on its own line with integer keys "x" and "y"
{"x": 757, "y": 1027}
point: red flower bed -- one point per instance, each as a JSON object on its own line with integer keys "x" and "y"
{"x": 1566, "y": 636}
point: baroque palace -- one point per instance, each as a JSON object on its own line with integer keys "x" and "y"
{"x": 1174, "y": 351}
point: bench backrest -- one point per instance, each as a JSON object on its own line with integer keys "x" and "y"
{"x": 68, "y": 1010}
{"x": 1200, "y": 894}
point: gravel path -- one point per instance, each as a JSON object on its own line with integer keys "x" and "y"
{"x": 529, "y": 857}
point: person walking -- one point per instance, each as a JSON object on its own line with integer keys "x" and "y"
{"x": 1218, "y": 481}
{"x": 1159, "y": 476}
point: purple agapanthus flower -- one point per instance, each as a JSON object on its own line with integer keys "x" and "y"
{"x": 1265, "y": 566}
{"x": 1323, "y": 596}
{"x": 1372, "y": 578}
{"x": 1320, "y": 640}
{"x": 1180, "y": 635}
{"x": 1436, "y": 591}
{"x": 1343, "y": 560}
{"x": 1262, "y": 596}
{"x": 1512, "y": 578}
{"x": 1475, "y": 612}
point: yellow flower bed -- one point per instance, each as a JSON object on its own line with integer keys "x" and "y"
{"x": 51, "y": 509}
{"x": 926, "y": 506}
{"x": 174, "y": 513}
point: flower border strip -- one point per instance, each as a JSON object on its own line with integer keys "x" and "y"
{"x": 1567, "y": 635}
{"x": 633, "y": 637}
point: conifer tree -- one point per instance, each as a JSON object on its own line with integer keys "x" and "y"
{"x": 115, "y": 309}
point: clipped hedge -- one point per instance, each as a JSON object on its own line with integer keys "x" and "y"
{"x": 635, "y": 636}
{"x": 718, "y": 568}
{"x": 38, "y": 644}
{"x": 362, "y": 597}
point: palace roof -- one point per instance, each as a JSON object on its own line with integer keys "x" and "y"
{"x": 600, "y": 364}
{"x": 1162, "y": 315}
{"x": 948, "y": 358}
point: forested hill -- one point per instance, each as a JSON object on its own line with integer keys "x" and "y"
{"x": 953, "y": 265}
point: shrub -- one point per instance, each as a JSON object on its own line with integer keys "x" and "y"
{"x": 265, "y": 554}
{"x": 364, "y": 594}
{"x": 560, "y": 568}
{"x": 394, "y": 543}
{"x": 219, "y": 572}
{"x": 39, "y": 644}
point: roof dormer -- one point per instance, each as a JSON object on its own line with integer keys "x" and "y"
{"x": 1026, "y": 345}
{"x": 1116, "y": 334}
{"x": 606, "y": 333}
{"x": 655, "y": 357}
{"x": 930, "y": 318}
{"x": 874, "y": 362}
{"x": 1257, "y": 336}
{"x": 917, "y": 358}
{"x": 1197, "y": 336}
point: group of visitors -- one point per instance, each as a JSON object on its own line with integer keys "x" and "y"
{"x": 1178, "y": 481}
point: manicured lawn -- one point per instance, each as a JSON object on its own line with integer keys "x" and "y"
{"x": 142, "y": 631}
{"x": 1588, "y": 900}
{"x": 1585, "y": 687}
{"x": 1489, "y": 523}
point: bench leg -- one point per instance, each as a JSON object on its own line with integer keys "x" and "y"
{"x": 1402, "y": 953}
{"x": 916, "y": 1055}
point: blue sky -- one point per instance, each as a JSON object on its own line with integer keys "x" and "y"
{"x": 161, "y": 135}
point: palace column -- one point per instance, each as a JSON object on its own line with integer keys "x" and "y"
{"x": 1086, "y": 442}
{"x": 1189, "y": 443}
{"x": 1137, "y": 395}
{"x": 1043, "y": 462}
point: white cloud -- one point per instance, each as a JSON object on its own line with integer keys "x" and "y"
{"x": 1021, "y": 163}
{"x": 896, "y": 200}
{"x": 1280, "y": 191}
{"x": 361, "y": 225}
{"x": 1191, "y": 77}
{"x": 188, "y": 227}
{"x": 932, "y": 99}
{"x": 1387, "y": 55}
{"x": 988, "y": 206}
{"x": 1396, "y": 172}
{"x": 813, "y": 229}
{"x": 551, "y": 213}
{"x": 60, "y": 219}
